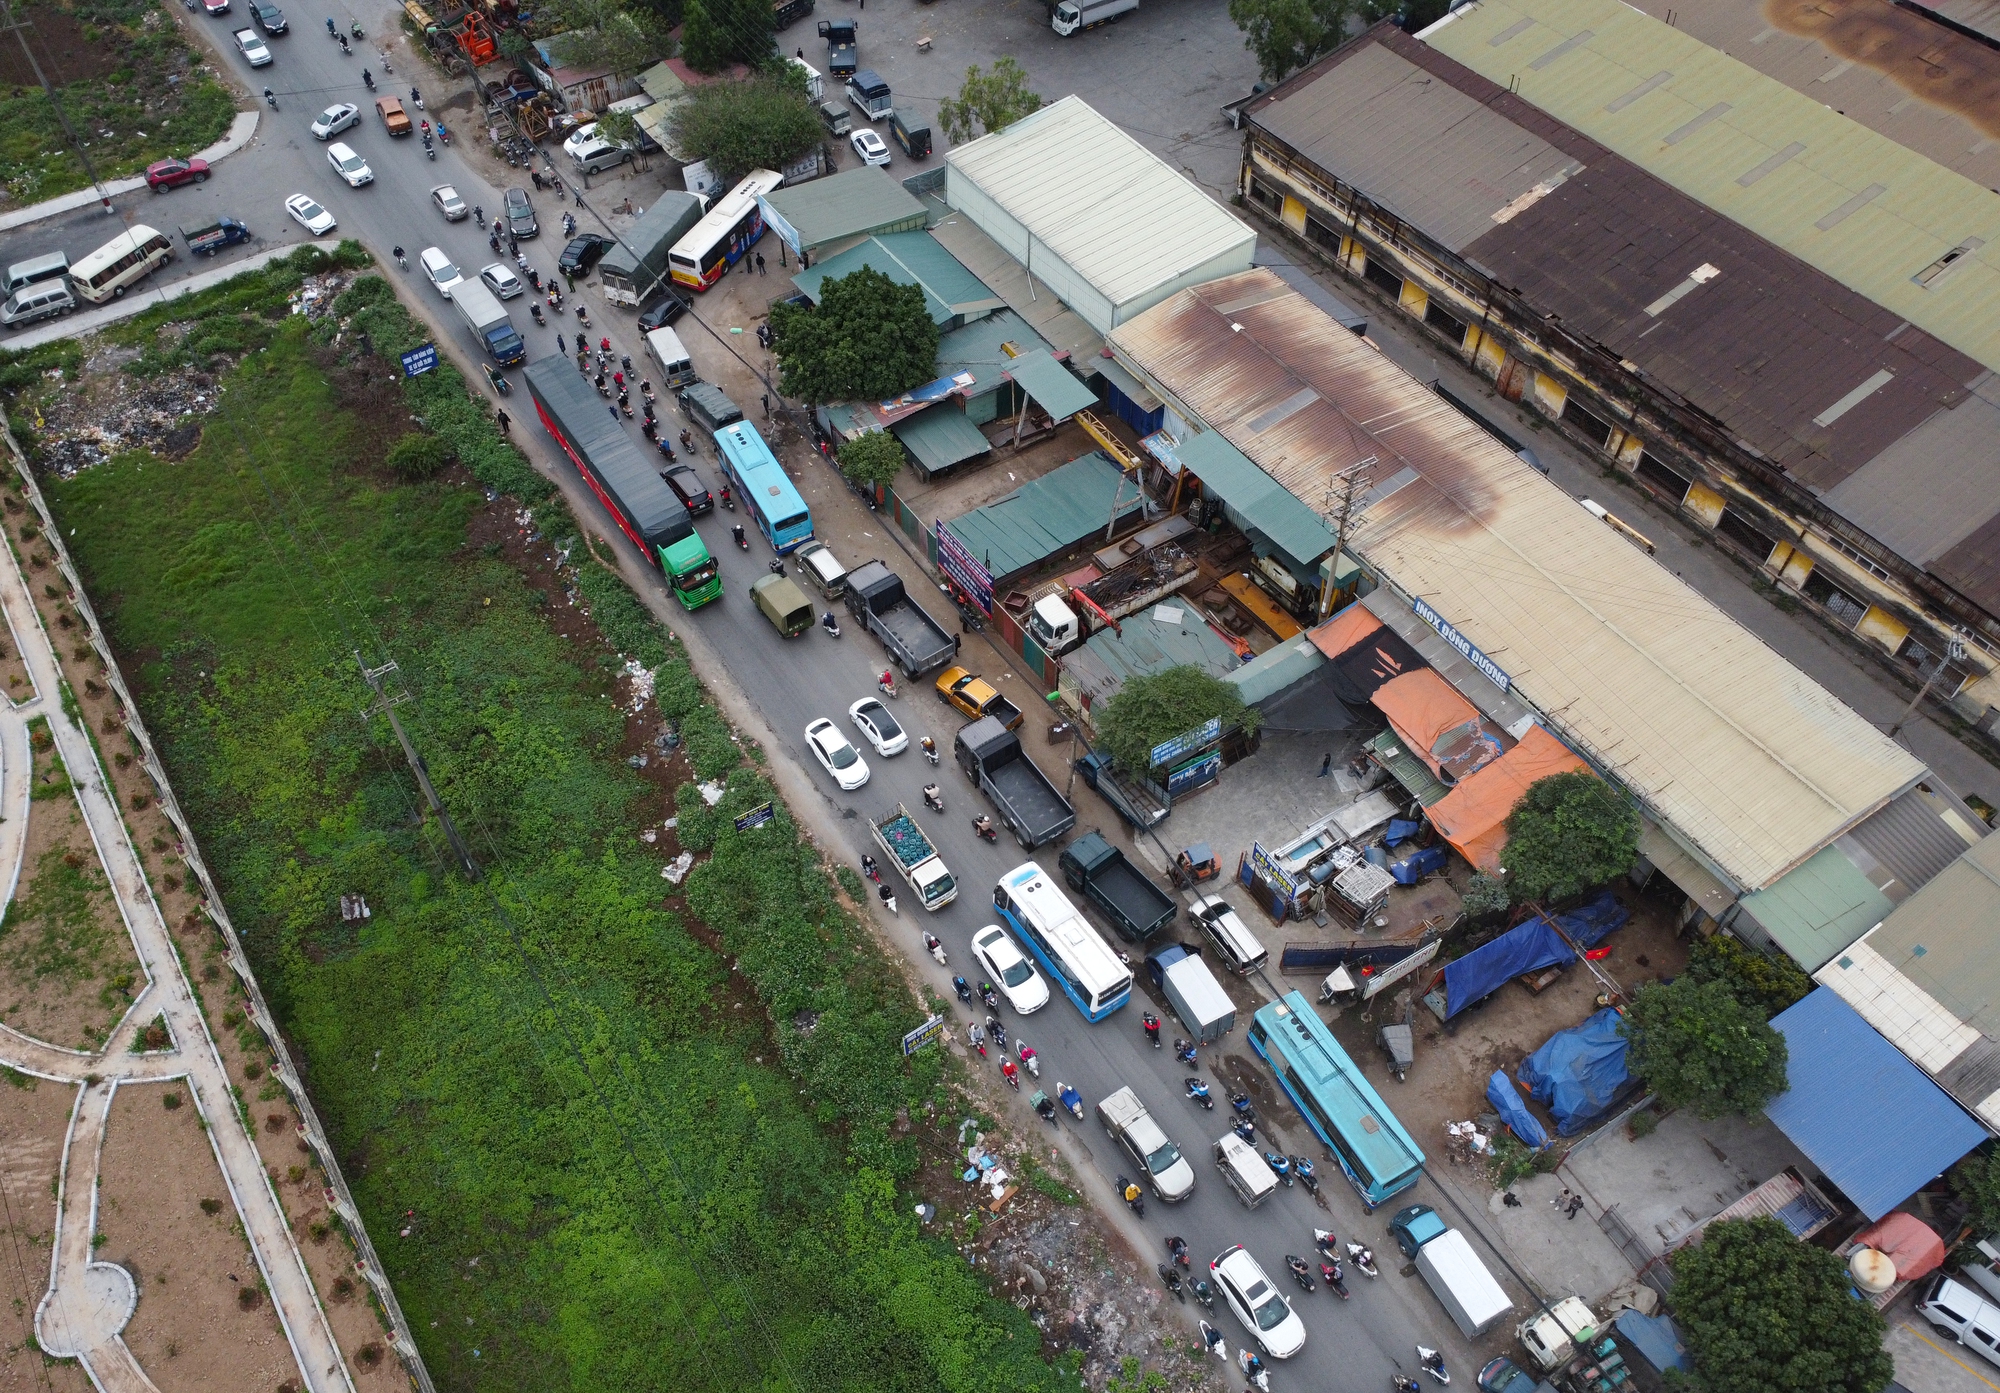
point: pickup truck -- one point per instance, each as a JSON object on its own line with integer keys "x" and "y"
{"x": 911, "y": 850}
{"x": 842, "y": 50}
{"x": 990, "y": 755}
{"x": 212, "y": 237}
{"x": 1133, "y": 1128}
{"x": 1136, "y": 907}
{"x": 976, "y": 697}
{"x": 1141, "y": 804}
{"x": 916, "y": 642}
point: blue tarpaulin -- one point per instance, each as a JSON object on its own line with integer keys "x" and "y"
{"x": 1401, "y": 830}
{"x": 1522, "y": 1123}
{"x": 1578, "y": 1073}
{"x": 1416, "y": 866}
{"x": 1590, "y": 924}
{"x": 1656, "y": 1338}
{"x": 1526, "y": 948}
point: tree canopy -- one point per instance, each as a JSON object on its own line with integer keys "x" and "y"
{"x": 1149, "y": 710}
{"x": 1770, "y": 982}
{"x": 716, "y": 33}
{"x": 1765, "y": 1313}
{"x": 868, "y": 338}
{"x": 1698, "y": 1047}
{"x": 1571, "y": 832}
{"x": 735, "y": 127}
{"x": 604, "y": 33}
{"x": 875, "y": 457}
{"x": 1288, "y": 34}
{"x": 1976, "y": 1182}
{"x": 987, "y": 101}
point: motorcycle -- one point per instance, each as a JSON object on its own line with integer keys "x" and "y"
{"x": 930, "y": 750}
{"x": 1172, "y": 1277}
{"x": 430, "y": 153}
{"x": 1177, "y": 1250}
{"x": 444, "y": 136}
{"x": 1011, "y": 1074}
{"x": 976, "y": 1037}
{"x": 1403, "y": 1383}
{"x": 535, "y": 310}
{"x": 1198, "y": 1091}
{"x": 1241, "y": 1103}
{"x": 1301, "y": 1273}
{"x": 1150, "y": 1023}
{"x": 1134, "y": 1197}
{"x": 1044, "y": 1109}
{"x": 1308, "y": 1176}
{"x": 777, "y": 566}
{"x": 998, "y": 1030}
{"x": 1364, "y": 1260}
{"x": 569, "y": 225}
{"x": 345, "y": 51}
{"x": 1030, "y": 1061}
{"x": 1243, "y": 1128}
{"x": 271, "y": 97}
{"x": 355, "y": 29}
{"x": 871, "y": 868}
{"x": 368, "y": 79}
{"x": 1184, "y": 1052}
{"x": 1211, "y": 1338}
{"x": 417, "y": 97}
{"x": 1330, "y": 1273}
{"x": 963, "y": 988}
{"x": 933, "y": 799}
{"x": 728, "y": 502}
{"x": 989, "y": 995}
{"x": 1254, "y": 1370}
{"x": 935, "y": 947}
{"x": 1204, "y": 1293}
{"x": 1280, "y": 1165}
{"x": 1327, "y": 1241}
{"x": 884, "y": 684}
{"x": 1071, "y": 1100}
{"x": 383, "y": 54}
{"x": 831, "y": 625}
{"x": 1433, "y": 1364}
{"x": 741, "y": 540}
{"x": 983, "y": 826}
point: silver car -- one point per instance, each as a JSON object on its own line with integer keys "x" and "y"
{"x": 449, "y": 203}
{"x": 502, "y": 281}
{"x": 336, "y": 119}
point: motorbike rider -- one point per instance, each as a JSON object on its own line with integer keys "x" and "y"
{"x": 736, "y": 534}
{"x": 368, "y": 79}
{"x": 977, "y": 1037}
{"x": 1133, "y": 1194}
{"x": 1430, "y": 1359}
{"x": 932, "y": 798}
{"x": 271, "y": 97}
{"x": 830, "y": 624}
{"x": 868, "y": 867}
{"x": 401, "y": 259}
{"x": 930, "y": 749}
{"x": 725, "y": 493}
{"x": 1152, "y": 1024}
{"x": 983, "y": 825}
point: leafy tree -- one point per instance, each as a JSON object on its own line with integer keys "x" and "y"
{"x": 867, "y": 339}
{"x": 717, "y": 33}
{"x": 1288, "y": 34}
{"x": 1976, "y": 1182}
{"x": 703, "y": 41}
{"x": 1484, "y": 895}
{"x": 1769, "y": 983}
{"x": 873, "y": 458}
{"x": 1698, "y": 1047}
{"x": 1570, "y": 833}
{"x": 1149, "y": 710}
{"x": 740, "y": 126}
{"x": 1765, "y": 1313}
{"x": 601, "y": 33}
{"x": 417, "y": 456}
{"x": 987, "y": 101}
{"x": 620, "y": 128}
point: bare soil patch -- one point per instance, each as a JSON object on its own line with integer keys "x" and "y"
{"x": 34, "y": 1119}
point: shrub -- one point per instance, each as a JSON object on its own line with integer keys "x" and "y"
{"x": 417, "y": 457}
{"x": 1570, "y": 833}
{"x": 1698, "y": 1047}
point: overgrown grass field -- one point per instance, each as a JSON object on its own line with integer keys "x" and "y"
{"x": 622, "y": 1165}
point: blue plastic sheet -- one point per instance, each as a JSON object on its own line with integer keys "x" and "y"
{"x": 1656, "y": 1339}
{"x": 1579, "y": 1073}
{"x": 1590, "y": 924}
{"x": 1527, "y": 948}
{"x": 1416, "y": 866}
{"x": 1401, "y": 830}
{"x": 1522, "y": 1123}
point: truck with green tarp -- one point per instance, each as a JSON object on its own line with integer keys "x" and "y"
{"x": 603, "y": 452}
{"x": 914, "y": 855}
{"x": 637, "y": 266}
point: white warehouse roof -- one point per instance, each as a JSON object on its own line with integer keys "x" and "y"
{"x": 1066, "y": 185}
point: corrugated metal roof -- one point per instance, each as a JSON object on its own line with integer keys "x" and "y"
{"x": 1261, "y": 501}
{"x": 852, "y": 203}
{"x": 1936, "y": 486}
{"x": 1942, "y": 937}
{"x": 1149, "y": 644}
{"x": 1044, "y": 517}
{"x": 1751, "y": 761}
{"x": 981, "y": 348}
{"x": 1862, "y": 1112}
{"x": 875, "y": 257}
{"x": 1855, "y": 204}
{"x": 1275, "y": 669}
{"x": 1062, "y": 326}
{"x": 1907, "y": 844}
{"x": 910, "y": 258}
{"x": 940, "y": 436}
{"x": 1124, "y": 218}
{"x": 1053, "y": 387}
{"x": 1818, "y": 909}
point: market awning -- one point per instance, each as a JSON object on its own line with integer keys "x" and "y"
{"x": 1344, "y": 630}
{"x": 1260, "y": 501}
{"x": 1473, "y": 816}
{"x": 1392, "y": 752}
{"x": 1441, "y": 727}
{"x": 1053, "y": 386}
{"x": 940, "y": 437}
{"x": 1871, "y": 1120}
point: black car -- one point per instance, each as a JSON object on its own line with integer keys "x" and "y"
{"x": 689, "y": 488}
{"x": 269, "y": 18}
{"x": 520, "y": 214}
{"x": 583, "y": 252}
{"x": 662, "y": 312}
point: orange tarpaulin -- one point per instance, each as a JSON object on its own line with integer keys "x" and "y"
{"x": 1344, "y": 630}
{"x": 1473, "y": 816}
{"x": 1422, "y": 707}
{"x": 1911, "y": 1244}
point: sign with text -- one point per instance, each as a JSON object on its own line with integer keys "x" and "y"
{"x": 1207, "y": 733}
{"x": 1493, "y": 671}
{"x": 1202, "y": 770}
{"x": 962, "y": 566}
{"x": 1270, "y": 873}
{"x": 924, "y": 1034}
{"x": 420, "y": 359}
{"x": 756, "y": 817}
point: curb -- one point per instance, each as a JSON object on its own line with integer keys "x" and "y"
{"x": 240, "y": 131}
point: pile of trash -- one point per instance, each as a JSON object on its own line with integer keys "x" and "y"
{"x": 118, "y": 413}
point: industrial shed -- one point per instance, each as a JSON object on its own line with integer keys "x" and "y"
{"x": 1092, "y": 214}
{"x": 826, "y": 216}
{"x": 1043, "y": 519}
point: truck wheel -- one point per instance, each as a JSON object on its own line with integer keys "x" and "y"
{"x": 1026, "y": 845}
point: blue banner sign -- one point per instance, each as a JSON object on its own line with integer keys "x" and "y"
{"x": 756, "y": 817}
{"x": 1207, "y": 733}
{"x": 962, "y": 566}
{"x": 1493, "y": 671}
{"x": 1198, "y": 772}
{"x": 1270, "y": 873}
{"x": 420, "y": 359}
{"x": 923, "y": 1035}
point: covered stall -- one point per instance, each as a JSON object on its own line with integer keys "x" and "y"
{"x": 1526, "y": 948}
{"x": 1473, "y": 815}
{"x": 1441, "y": 728}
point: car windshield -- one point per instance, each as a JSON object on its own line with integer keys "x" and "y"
{"x": 1272, "y": 1313}
{"x": 311, "y": 209}
{"x": 445, "y": 271}
{"x": 352, "y": 164}
{"x": 1017, "y": 973}
{"x": 842, "y": 755}
{"x": 1163, "y": 1158}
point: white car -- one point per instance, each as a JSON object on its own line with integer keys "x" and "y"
{"x": 875, "y": 723}
{"x": 1265, "y": 1311}
{"x": 502, "y": 281}
{"x": 580, "y": 137}
{"x": 309, "y": 215}
{"x": 336, "y": 119}
{"x": 438, "y": 267}
{"x": 835, "y": 755}
{"x": 870, "y": 148}
{"x": 1008, "y": 968}
{"x": 349, "y": 165}
{"x": 446, "y": 198}
{"x": 252, "y": 47}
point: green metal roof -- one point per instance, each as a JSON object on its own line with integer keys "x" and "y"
{"x": 1264, "y": 503}
{"x": 940, "y": 436}
{"x": 978, "y": 348}
{"x": 909, "y": 258}
{"x": 1053, "y": 386}
{"x": 1045, "y": 517}
{"x": 1148, "y": 644}
{"x": 1394, "y": 755}
{"x": 1275, "y": 669}
{"x": 1859, "y": 206}
{"x": 853, "y": 203}
{"x": 1818, "y": 909}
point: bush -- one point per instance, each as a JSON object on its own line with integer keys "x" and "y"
{"x": 417, "y": 457}
{"x": 1769, "y": 982}
{"x": 1485, "y": 895}
{"x": 1150, "y": 710}
{"x": 1570, "y": 833}
{"x": 1976, "y": 1182}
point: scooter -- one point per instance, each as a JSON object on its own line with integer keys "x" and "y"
{"x": 1308, "y": 1176}
{"x": 1211, "y": 1338}
{"x": 988, "y": 995}
{"x": 444, "y": 136}
{"x": 933, "y": 799}
{"x": 983, "y": 826}
{"x": 1150, "y": 1023}
{"x": 1327, "y": 1241}
{"x": 997, "y": 1029}
{"x": 741, "y": 540}
{"x": 1184, "y": 1052}
{"x": 1071, "y": 1099}
{"x": 1134, "y": 1197}
{"x": 1281, "y": 1165}
{"x": 355, "y": 29}
{"x": 1433, "y": 1364}
{"x": 271, "y": 97}
{"x": 417, "y": 97}
{"x": 1243, "y": 1128}
{"x": 368, "y": 79}
{"x": 1254, "y": 1370}
{"x": 1241, "y": 1103}
{"x": 430, "y": 153}
{"x": 830, "y": 624}
{"x": 930, "y": 750}
{"x": 1364, "y": 1260}
{"x": 977, "y": 1039}
{"x": 1198, "y": 1091}
{"x": 1403, "y": 1383}
{"x": 777, "y": 566}
{"x": 1030, "y": 1061}
{"x": 535, "y": 310}
{"x": 935, "y": 947}
{"x": 1204, "y": 1293}
{"x": 383, "y": 54}
{"x": 1172, "y": 1277}
{"x": 728, "y": 502}
{"x": 871, "y": 868}
{"x": 1044, "y": 1109}
{"x": 1177, "y": 1249}
{"x": 1330, "y": 1273}
{"x": 884, "y": 684}
{"x": 963, "y": 988}
{"x": 1301, "y": 1273}
{"x": 345, "y": 51}
{"x": 1010, "y": 1073}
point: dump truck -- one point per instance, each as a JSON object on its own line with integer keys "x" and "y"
{"x": 990, "y": 755}
{"x": 1133, "y": 1128}
{"x": 630, "y": 277}
{"x": 1141, "y": 804}
{"x": 1099, "y": 871}
{"x": 491, "y": 329}
{"x": 624, "y": 480}
{"x": 976, "y": 697}
{"x": 916, "y": 642}
{"x": 911, "y": 850}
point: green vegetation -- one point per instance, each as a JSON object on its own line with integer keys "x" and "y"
{"x": 873, "y": 458}
{"x": 632, "y": 1167}
{"x": 417, "y": 457}
{"x": 605, "y": 34}
{"x": 1151, "y": 710}
{"x": 1697, "y": 1046}
{"x": 1763, "y": 1311}
{"x": 717, "y": 33}
{"x": 1570, "y": 833}
{"x": 764, "y": 123}
{"x": 130, "y": 84}
{"x": 1769, "y": 982}
{"x": 867, "y": 339}
{"x": 50, "y": 779}
{"x": 1976, "y": 1182}
{"x": 51, "y": 928}
{"x": 987, "y": 101}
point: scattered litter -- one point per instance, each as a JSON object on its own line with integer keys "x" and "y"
{"x": 353, "y": 907}
{"x": 649, "y": 836}
{"x": 675, "y": 870}
{"x": 642, "y": 685}
{"x": 711, "y": 792}
{"x": 670, "y": 824}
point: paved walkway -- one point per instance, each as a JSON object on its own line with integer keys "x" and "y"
{"x": 88, "y": 1302}
{"x": 240, "y": 131}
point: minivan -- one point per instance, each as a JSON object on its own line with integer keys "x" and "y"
{"x": 676, "y": 368}
{"x": 822, "y": 569}
{"x": 781, "y": 601}
{"x": 1234, "y": 943}
{"x": 1970, "y": 1319}
{"x": 37, "y": 301}
{"x": 707, "y": 406}
{"x": 52, "y": 267}
{"x": 599, "y": 155}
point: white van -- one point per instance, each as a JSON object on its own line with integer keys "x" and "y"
{"x": 38, "y": 301}
{"x": 1239, "y": 949}
{"x": 121, "y": 263}
{"x": 676, "y": 368}
{"x": 1959, "y": 1310}
{"x": 22, "y": 274}
{"x": 1244, "y": 1171}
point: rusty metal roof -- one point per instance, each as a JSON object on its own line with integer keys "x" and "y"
{"x": 1750, "y": 760}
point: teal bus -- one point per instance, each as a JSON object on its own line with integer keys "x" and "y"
{"x": 1337, "y": 1102}
{"x": 763, "y": 485}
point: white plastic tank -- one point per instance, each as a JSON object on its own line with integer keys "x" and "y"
{"x": 1872, "y": 1271}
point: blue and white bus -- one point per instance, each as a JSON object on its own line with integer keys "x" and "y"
{"x": 1340, "y": 1105}
{"x": 1068, "y": 949}
{"x": 761, "y": 482}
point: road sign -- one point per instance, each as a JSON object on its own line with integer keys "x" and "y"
{"x": 756, "y": 817}
{"x": 420, "y": 359}
{"x": 930, "y": 1030}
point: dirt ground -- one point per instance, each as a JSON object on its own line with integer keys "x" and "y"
{"x": 204, "y": 1321}
{"x": 34, "y": 1119}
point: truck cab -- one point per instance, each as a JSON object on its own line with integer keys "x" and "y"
{"x": 1550, "y": 1337}
{"x": 1053, "y": 624}
{"x": 691, "y": 571}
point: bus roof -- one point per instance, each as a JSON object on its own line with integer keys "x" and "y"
{"x": 1320, "y": 1063}
{"x": 728, "y": 211}
{"x": 1087, "y": 952}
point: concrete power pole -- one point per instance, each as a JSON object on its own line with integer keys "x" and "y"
{"x": 1954, "y": 653}
{"x": 1341, "y": 495}
{"x": 385, "y": 705}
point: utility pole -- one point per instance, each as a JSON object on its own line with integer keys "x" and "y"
{"x": 21, "y": 30}
{"x": 1340, "y": 499}
{"x": 1954, "y": 653}
{"x": 385, "y": 705}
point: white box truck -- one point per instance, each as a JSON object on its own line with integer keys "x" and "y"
{"x": 1072, "y": 15}
{"x": 1461, "y": 1282}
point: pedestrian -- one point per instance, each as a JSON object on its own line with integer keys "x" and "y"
{"x": 569, "y": 279}
{"x": 562, "y": 346}
{"x": 582, "y": 363}
{"x": 536, "y": 175}
{"x": 760, "y": 263}
{"x": 1326, "y": 764}
{"x": 500, "y": 419}
{"x": 613, "y": 410}
{"x": 767, "y": 403}
{"x": 1575, "y": 1203}
{"x": 1511, "y": 1200}
{"x": 1563, "y": 1199}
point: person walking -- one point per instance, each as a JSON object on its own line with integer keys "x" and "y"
{"x": 612, "y": 407}
{"x": 767, "y": 403}
{"x": 1326, "y": 765}
{"x": 569, "y": 278}
{"x": 562, "y": 345}
{"x": 760, "y": 263}
{"x": 1575, "y": 1203}
{"x": 500, "y": 419}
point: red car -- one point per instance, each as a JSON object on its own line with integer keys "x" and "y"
{"x": 170, "y": 174}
